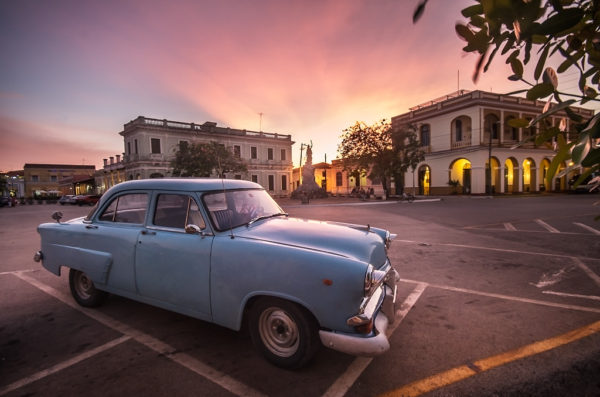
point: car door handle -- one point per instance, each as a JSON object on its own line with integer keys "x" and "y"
{"x": 148, "y": 232}
{"x": 91, "y": 227}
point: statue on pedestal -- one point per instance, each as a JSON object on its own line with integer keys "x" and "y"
{"x": 308, "y": 188}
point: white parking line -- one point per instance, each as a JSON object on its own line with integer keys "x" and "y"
{"x": 591, "y": 297}
{"x": 228, "y": 383}
{"x": 65, "y": 364}
{"x": 343, "y": 383}
{"x": 588, "y": 228}
{"x": 506, "y": 297}
{"x": 492, "y": 249}
{"x": 509, "y": 226}
{"x": 587, "y": 271}
{"x": 546, "y": 226}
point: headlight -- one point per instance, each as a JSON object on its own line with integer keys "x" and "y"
{"x": 388, "y": 239}
{"x": 373, "y": 279}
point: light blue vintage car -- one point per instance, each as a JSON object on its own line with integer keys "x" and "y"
{"x": 223, "y": 251}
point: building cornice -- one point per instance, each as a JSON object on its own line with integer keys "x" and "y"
{"x": 454, "y": 103}
{"x": 206, "y": 129}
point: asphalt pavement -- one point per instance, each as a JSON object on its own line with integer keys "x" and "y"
{"x": 498, "y": 297}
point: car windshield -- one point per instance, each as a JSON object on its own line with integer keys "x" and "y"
{"x": 235, "y": 208}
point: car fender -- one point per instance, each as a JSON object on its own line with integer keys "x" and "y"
{"x": 95, "y": 264}
{"x": 329, "y": 286}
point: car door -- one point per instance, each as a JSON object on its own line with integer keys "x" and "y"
{"x": 172, "y": 267}
{"x": 115, "y": 231}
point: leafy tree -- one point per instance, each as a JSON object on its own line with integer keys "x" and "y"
{"x": 204, "y": 160}
{"x": 385, "y": 153}
{"x": 560, "y": 28}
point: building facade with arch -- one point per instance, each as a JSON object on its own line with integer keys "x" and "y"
{"x": 469, "y": 145}
{"x": 151, "y": 144}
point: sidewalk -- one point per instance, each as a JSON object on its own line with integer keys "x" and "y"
{"x": 288, "y": 202}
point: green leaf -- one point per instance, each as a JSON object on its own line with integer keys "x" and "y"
{"x": 476, "y": 9}
{"x": 592, "y": 158}
{"x": 562, "y": 155}
{"x": 581, "y": 149}
{"x": 464, "y": 32}
{"x": 419, "y": 11}
{"x": 518, "y": 123}
{"x": 478, "y": 21}
{"x": 553, "y": 110}
{"x": 585, "y": 174}
{"x": 593, "y": 127}
{"x": 560, "y": 22}
{"x": 516, "y": 92}
{"x": 565, "y": 65}
{"x": 517, "y": 67}
{"x": 539, "y": 68}
{"x": 546, "y": 135}
{"x": 538, "y": 91}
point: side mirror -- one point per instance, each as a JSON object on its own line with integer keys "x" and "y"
{"x": 193, "y": 229}
{"x": 57, "y": 216}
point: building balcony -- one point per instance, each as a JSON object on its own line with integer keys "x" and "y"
{"x": 461, "y": 144}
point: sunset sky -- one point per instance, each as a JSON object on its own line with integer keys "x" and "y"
{"x": 73, "y": 72}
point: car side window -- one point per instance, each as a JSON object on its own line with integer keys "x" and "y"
{"x": 177, "y": 211}
{"x": 128, "y": 208}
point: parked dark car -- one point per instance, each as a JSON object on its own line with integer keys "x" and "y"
{"x": 87, "y": 200}
{"x": 4, "y": 200}
{"x": 67, "y": 199}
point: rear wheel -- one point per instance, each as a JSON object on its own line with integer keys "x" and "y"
{"x": 285, "y": 333}
{"x": 84, "y": 291}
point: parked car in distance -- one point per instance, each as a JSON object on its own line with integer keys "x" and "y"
{"x": 89, "y": 199}
{"x": 4, "y": 200}
{"x": 223, "y": 251}
{"x": 67, "y": 199}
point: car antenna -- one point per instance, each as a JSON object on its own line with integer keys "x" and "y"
{"x": 221, "y": 174}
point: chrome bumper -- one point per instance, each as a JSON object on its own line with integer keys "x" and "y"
{"x": 360, "y": 345}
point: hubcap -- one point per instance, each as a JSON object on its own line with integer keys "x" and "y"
{"x": 278, "y": 332}
{"x": 83, "y": 285}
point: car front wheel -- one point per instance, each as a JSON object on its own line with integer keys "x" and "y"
{"x": 285, "y": 333}
{"x": 84, "y": 291}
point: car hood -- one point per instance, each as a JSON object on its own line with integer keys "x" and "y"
{"x": 358, "y": 243}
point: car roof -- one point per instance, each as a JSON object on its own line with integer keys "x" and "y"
{"x": 184, "y": 184}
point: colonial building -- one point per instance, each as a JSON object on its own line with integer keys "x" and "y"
{"x": 112, "y": 173}
{"x": 469, "y": 145}
{"x": 151, "y": 144}
{"x": 43, "y": 180}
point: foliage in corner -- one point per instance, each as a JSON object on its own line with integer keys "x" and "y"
{"x": 383, "y": 152}
{"x": 518, "y": 29}
{"x": 204, "y": 160}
